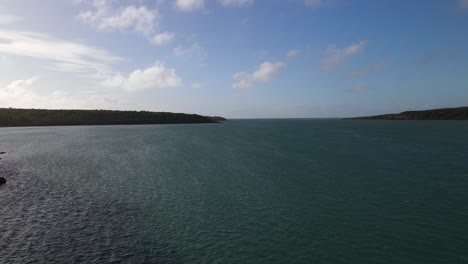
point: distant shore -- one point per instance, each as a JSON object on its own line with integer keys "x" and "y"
{"x": 12, "y": 117}
{"x": 459, "y": 113}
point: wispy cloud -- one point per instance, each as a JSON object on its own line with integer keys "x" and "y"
{"x": 366, "y": 70}
{"x": 235, "y": 3}
{"x": 72, "y": 57}
{"x": 359, "y": 88}
{"x": 265, "y": 73}
{"x": 64, "y": 55}
{"x": 463, "y": 4}
{"x": 194, "y": 51}
{"x": 435, "y": 56}
{"x": 336, "y": 55}
{"x": 8, "y": 19}
{"x": 293, "y": 53}
{"x": 163, "y": 38}
{"x": 313, "y": 3}
{"x": 189, "y": 5}
{"x": 196, "y": 85}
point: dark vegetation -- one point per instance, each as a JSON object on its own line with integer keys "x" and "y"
{"x": 460, "y": 113}
{"x": 37, "y": 117}
{"x": 218, "y": 118}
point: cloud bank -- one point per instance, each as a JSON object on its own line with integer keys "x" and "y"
{"x": 23, "y": 94}
{"x": 155, "y": 77}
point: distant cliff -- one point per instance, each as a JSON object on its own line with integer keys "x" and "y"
{"x": 460, "y": 113}
{"x": 37, "y": 117}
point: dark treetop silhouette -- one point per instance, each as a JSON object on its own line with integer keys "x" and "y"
{"x": 460, "y": 113}
{"x": 39, "y": 117}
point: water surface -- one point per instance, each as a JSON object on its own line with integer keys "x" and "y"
{"x": 245, "y": 191}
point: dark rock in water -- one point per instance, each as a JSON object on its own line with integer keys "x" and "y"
{"x": 1, "y": 153}
{"x": 2, "y": 180}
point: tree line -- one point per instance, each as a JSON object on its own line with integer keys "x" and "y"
{"x": 40, "y": 117}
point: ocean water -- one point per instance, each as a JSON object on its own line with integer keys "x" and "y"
{"x": 244, "y": 191}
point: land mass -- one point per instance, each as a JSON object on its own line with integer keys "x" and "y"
{"x": 459, "y": 113}
{"x": 217, "y": 118}
{"x": 12, "y": 117}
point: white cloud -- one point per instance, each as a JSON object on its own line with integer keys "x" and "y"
{"x": 163, "y": 38}
{"x": 189, "y": 5}
{"x": 17, "y": 89}
{"x": 25, "y": 94}
{"x": 265, "y": 73}
{"x": 106, "y": 18}
{"x": 463, "y": 4}
{"x": 235, "y": 3}
{"x": 8, "y": 19}
{"x": 65, "y": 55}
{"x": 293, "y": 53}
{"x": 73, "y": 57}
{"x": 157, "y": 76}
{"x": 4, "y": 61}
{"x": 313, "y": 3}
{"x": 194, "y": 51}
{"x": 337, "y": 55}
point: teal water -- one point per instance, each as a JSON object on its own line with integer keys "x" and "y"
{"x": 244, "y": 191}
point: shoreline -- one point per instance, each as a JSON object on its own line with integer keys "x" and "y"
{"x": 15, "y": 117}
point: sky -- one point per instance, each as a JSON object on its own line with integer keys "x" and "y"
{"x": 235, "y": 58}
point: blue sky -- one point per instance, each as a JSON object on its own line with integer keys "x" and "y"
{"x": 236, "y": 58}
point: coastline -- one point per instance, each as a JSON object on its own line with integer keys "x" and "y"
{"x": 458, "y": 113}
{"x": 13, "y": 117}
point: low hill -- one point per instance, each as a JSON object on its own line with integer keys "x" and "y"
{"x": 217, "y": 118}
{"x": 38, "y": 117}
{"x": 460, "y": 113}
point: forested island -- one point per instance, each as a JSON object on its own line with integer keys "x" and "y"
{"x": 459, "y": 113}
{"x": 11, "y": 117}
